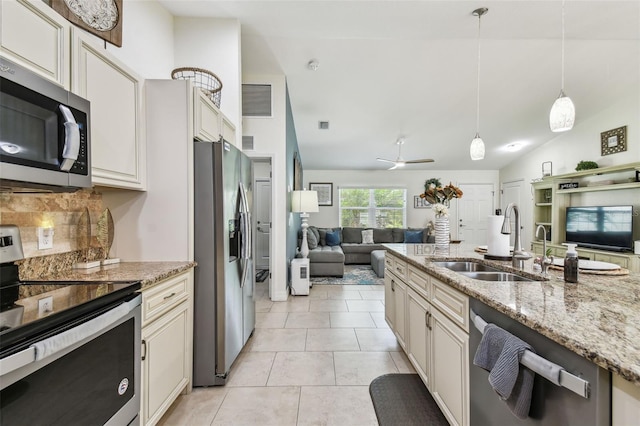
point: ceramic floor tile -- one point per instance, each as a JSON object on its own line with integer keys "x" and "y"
{"x": 276, "y": 406}
{"x": 378, "y": 318}
{"x": 358, "y": 287}
{"x": 251, "y": 369}
{"x": 327, "y": 306}
{"x": 263, "y": 305}
{"x": 351, "y": 320}
{"x": 336, "y": 405}
{"x": 271, "y": 319}
{"x": 308, "y": 320}
{"x": 343, "y": 294}
{"x": 377, "y": 339}
{"x": 197, "y": 408}
{"x": 360, "y": 368}
{"x": 277, "y": 340}
{"x": 317, "y": 292}
{"x": 302, "y": 368}
{"x": 402, "y": 362}
{"x": 331, "y": 339}
{"x": 372, "y": 295}
{"x": 365, "y": 306}
{"x": 294, "y": 304}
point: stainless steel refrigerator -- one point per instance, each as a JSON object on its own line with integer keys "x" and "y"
{"x": 224, "y": 309}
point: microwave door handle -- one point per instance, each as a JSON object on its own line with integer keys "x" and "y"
{"x": 71, "y": 140}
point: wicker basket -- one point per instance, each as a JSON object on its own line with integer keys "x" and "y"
{"x": 206, "y": 80}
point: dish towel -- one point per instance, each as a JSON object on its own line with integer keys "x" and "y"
{"x": 499, "y": 353}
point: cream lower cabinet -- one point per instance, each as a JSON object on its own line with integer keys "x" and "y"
{"x": 435, "y": 325}
{"x": 395, "y": 306}
{"x": 167, "y": 345}
{"x": 118, "y": 145}
{"x": 625, "y": 401}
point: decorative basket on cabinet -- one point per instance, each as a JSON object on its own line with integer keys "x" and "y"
{"x": 204, "y": 79}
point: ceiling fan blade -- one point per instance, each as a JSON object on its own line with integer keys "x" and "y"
{"x": 424, "y": 160}
{"x": 395, "y": 166}
{"x": 386, "y": 161}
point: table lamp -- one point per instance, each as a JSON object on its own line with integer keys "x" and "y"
{"x": 304, "y": 202}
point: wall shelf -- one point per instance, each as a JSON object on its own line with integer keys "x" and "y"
{"x": 615, "y": 186}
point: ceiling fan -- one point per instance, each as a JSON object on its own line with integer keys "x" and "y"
{"x": 401, "y": 162}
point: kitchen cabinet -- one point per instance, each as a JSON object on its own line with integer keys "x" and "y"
{"x": 33, "y": 36}
{"x": 550, "y": 203}
{"x": 625, "y": 401}
{"x": 434, "y": 334}
{"x": 167, "y": 345}
{"x": 118, "y": 145}
{"x": 209, "y": 123}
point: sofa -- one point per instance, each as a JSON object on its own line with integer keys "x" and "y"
{"x": 344, "y": 246}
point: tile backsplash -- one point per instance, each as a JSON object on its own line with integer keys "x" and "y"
{"x": 61, "y": 211}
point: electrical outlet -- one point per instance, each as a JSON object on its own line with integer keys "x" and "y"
{"x": 45, "y": 306}
{"x": 45, "y": 238}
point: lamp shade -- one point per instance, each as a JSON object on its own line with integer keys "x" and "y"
{"x": 562, "y": 115}
{"x": 304, "y": 201}
{"x": 476, "y": 150}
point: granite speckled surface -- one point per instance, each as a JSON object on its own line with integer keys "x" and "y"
{"x": 149, "y": 273}
{"x": 597, "y": 318}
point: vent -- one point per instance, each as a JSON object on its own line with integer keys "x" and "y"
{"x": 256, "y": 100}
{"x": 323, "y": 125}
{"x": 247, "y": 143}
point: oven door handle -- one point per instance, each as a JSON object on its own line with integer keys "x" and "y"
{"x": 62, "y": 341}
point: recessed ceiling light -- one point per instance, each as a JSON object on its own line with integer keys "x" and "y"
{"x": 515, "y": 146}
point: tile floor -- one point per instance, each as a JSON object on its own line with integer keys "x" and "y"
{"x": 309, "y": 362}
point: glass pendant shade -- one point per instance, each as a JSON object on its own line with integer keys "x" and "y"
{"x": 562, "y": 115}
{"x": 476, "y": 150}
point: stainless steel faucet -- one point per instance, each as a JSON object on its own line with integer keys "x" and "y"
{"x": 545, "y": 261}
{"x": 519, "y": 255}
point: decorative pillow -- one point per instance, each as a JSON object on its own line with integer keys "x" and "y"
{"x": 312, "y": 240}
{"x": 412, "y": 237}
{"x": 314, "y": 231}
{"x": 367, "y": 236}
{"x": 398, "y": 235}
{"x": 332, "y": 238}
{"x": 383, "y": 235}
{"x": 352, "y": 235}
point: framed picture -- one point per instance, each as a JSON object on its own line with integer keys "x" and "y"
{"x": 325, "y": 193}
{"x": 102, "y": 18}
{"x": 297, "y": 172}
{"x": 613, "y": 141}
{"x": 420, "y": 203}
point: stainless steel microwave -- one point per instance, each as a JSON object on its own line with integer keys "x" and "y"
{"x": 44, "y": 132}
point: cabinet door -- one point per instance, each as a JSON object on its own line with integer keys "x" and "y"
{"x": 165, "y": 365}
{"x": 400, "y": 308}
{"x": 389, "y": 300}
{"x": 623, "y": 261}
{"x": 206, "y": 118}
{"x": 35, "y": 37}
{"x": 118, "y": 146}
{"x": 228, "y": 131}
{"x": 450, "y": 373}
{"x": 418, "y": 343}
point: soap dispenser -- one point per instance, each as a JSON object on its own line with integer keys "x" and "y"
{"x": 571, "y": 264}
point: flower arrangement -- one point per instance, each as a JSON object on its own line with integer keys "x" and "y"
{"x": 441, "y": 210}
{"x": 439, "y": 194}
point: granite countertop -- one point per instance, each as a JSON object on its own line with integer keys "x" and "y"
{"x": 598, "y": 318}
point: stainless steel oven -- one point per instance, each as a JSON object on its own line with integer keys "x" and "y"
{"x": 44, "y": 136}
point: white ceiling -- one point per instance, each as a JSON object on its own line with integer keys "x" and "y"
{"x": 408, "y": 68}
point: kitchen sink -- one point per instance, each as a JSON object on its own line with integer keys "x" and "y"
{"x": 480, "y": 271}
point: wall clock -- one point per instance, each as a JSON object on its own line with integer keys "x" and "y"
{"x": 100, "y": 17}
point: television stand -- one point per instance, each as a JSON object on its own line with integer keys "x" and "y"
{"x": 625, "y": 259}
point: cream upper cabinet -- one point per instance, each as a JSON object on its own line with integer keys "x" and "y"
{"x": 228, "y": 130}
{"x": 34, "y": 36}
{"x": 118, "y": 146}
{"x": 206, "y": 118}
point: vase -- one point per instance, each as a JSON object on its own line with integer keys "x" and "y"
{"x": 442, "y": 231}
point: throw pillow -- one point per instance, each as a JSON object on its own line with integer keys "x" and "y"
{"x": 412, "y": 237}
{"x": 352, "y": 235}
{"x": 367, "y": 236}
{"x": 383, "y": 235}
{"x": 312, "y": 240}
{"x": 332, "y": 238}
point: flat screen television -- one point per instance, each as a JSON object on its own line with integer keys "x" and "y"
{"x": 601, "y": 227}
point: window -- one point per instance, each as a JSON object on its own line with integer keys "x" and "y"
{"x": 372, "y": 207}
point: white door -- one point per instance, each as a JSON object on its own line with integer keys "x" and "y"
{"x": 513, "y": 192}
{"x": 473, "y": 210}
{"x": 263, "y": 222}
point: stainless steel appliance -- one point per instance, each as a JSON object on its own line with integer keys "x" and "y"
{"x": 581, "y": 398}
{"x": 75, "y": 364}
{"x": 224, "y": 307}
{"x": 44, "y": 136}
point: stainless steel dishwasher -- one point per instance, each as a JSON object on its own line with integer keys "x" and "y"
{"x": 550, "y": 404}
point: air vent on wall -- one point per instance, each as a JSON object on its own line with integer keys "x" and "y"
{"x": 256, "y": 100}
{"x": 247, "y": 143}
{"x": 323, "y": 125}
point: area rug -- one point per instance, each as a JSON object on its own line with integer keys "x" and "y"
{"x": 402, "y": 399}
{"x": 353, "y": 275}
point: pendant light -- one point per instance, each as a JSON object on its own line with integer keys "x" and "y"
{"x": 563, "y": 112}
{"x": 476, "y": 150}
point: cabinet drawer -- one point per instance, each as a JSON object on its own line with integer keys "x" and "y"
{"x": 419, "y": 281}
{"x": 400, "y": 268}
{"x": 388, "y": 261}
{"x": 161, "y": 298}
{"x": 451, "y": 302}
